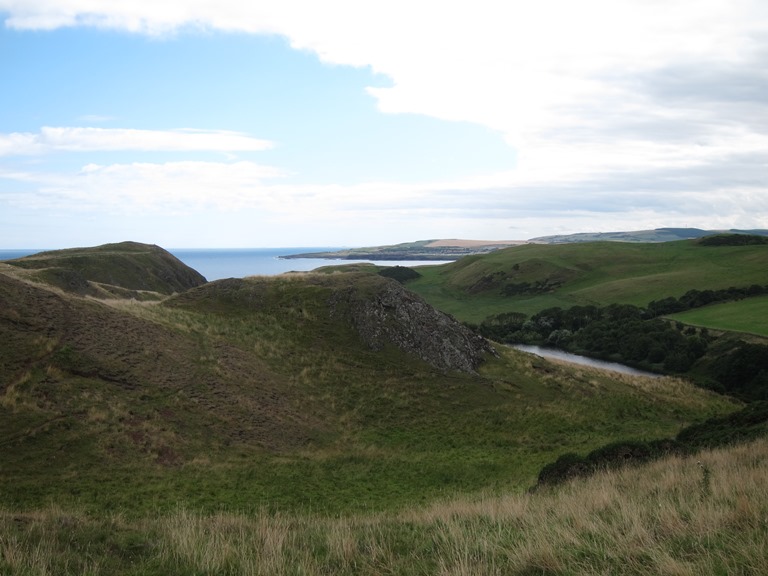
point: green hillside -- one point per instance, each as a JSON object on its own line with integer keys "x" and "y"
{"x": 532, "y": 277}
{"x": 321, "y": 392}
{"x": 126, "y": 269}
{"x": 693, "y": 308}
{"x": 336, "y": 423}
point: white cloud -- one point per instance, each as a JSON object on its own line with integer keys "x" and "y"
{"x": 73, "y": 139}
{"x": 530, "y": 70}
{"x": 624, "y": 113}
{"x": 173, "y": 187}
{"x": 606, "y": 200}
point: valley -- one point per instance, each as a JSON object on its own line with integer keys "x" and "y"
{"x": 137, "y": 410}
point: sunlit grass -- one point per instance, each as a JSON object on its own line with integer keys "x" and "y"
{"x": 749, "y": 315}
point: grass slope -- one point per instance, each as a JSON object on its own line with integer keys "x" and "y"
{"x": 585, "y": 273}
{"x": 266, "y": 397}
{"x": 126, "y": 269}
{"x": 695, "y": 515}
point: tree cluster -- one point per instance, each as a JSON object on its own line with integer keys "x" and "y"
{"x": 639, "y": 337}
{"x": 741, "y": 371}
{"x": 619, "y": 332}
{"x": 733, "y": 240}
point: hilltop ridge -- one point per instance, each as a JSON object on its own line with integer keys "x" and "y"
{"x": 118, "y": 270}
{"x": 452, "y": 249}
{"x": 655, "y": 235}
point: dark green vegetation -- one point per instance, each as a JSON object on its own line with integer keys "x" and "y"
{"x": 742, "y": 426}
{"x": 400, "y": 273}
{"x": 627, "y": 334}
{"x": 735, "y": 240}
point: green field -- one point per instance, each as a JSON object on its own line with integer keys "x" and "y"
{"x": 749, "y": 315}
{"x": 597, "y": 273}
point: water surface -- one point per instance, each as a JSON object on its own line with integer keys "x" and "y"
{"x": 215, "y": 264}
{"x": 556, "y": 354}
{"x": 218, "y": 263}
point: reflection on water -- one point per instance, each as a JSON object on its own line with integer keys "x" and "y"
{"x": 583, "y": 360}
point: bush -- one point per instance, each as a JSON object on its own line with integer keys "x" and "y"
{"x": 733, "y": 240}
{"x": 400, "y": 273}
{"x": 567, "y": 466}
{"x": 747, "y": 424}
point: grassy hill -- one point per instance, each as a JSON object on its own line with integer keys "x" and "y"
{"x": 315, "y": 391}
{"x": 532, "y": 277}
{"x": 336, "y": 423}
{"x": 126, "y": 269}
{"x": 656, "y": 235}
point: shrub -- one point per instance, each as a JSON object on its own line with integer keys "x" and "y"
{"x": 400, "y": 273}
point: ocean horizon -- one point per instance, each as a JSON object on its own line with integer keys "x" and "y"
{"x": 219, "y": 263}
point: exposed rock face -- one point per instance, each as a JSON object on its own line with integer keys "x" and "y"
{"x": 393, "y": 315}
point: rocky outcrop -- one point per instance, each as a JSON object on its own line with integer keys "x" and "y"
{"x": 379, "y": 311}
{"x": 392, "y": 315}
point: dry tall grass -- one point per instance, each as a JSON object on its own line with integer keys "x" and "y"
{"x": 679, "y": 516}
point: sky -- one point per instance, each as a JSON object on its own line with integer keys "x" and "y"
{"x": 278, "y": 123}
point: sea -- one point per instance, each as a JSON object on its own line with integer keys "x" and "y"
{"x": 218, "y": 263}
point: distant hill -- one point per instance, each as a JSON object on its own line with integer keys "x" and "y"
{"x": 419, "y": 250}
{"x": 657, "y": 235}
{"x": 453, "y": 249}
{"x": 535, "y": 276}
{"x": 605, "y": 299}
